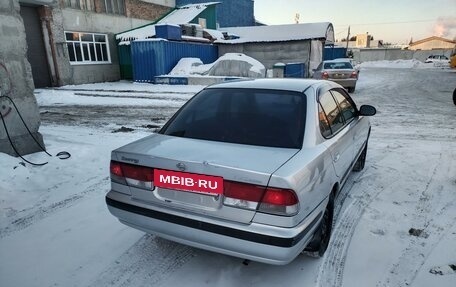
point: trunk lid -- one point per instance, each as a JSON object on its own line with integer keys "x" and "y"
{"x": 233, "y": 162}
{"x": 339, "y": 74}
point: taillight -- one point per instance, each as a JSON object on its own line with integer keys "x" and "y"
{"x": 267, "y": 200}
{"x": 325, "y": 75}
{"x": 133, "y": 175}
{"x": 354, "y": 75}
{"x": 242, "y": 195}
{"x": 279, "y": 201}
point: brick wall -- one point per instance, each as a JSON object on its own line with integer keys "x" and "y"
{"x": 143, "y": 10}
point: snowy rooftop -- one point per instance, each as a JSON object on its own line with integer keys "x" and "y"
{"x": 279, "y": 33}
{"x": 181, "y": 15}
{"x": 185, "y": 14}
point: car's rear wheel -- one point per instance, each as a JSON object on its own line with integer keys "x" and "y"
{"x": 351, "y": 89}
{"x": 317, "y": 247}
{"x": 361, "y": 162}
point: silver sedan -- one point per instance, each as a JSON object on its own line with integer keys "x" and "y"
{"x": 246, "y": 168}
{"x": 340, "y": 71}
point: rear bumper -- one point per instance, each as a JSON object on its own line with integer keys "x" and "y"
{"x": 346, "y": 83}
{"x": 254, "y": 241}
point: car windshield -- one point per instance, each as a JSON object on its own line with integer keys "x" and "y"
{"x": 260, "y": 117}
{"x": 338, "y": 65}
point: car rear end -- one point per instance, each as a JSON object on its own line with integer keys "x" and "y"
{"x": 341, "y": 72}
{"x": 209, "y": 187}
{"x": 345, "y": 78}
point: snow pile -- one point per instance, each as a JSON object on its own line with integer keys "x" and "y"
{"x": 185, "y": 66}
{"x": 126, "y": 87}
{"x": 237, "y": 65}
{"x": 230, "y": 64}
{"x": 397, "y": 64}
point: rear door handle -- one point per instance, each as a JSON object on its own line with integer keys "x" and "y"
{"x": 336, "y": 157}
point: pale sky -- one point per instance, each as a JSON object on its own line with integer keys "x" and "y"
{"x": 394, "y": 21}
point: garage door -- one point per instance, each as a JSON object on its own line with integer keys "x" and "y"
{"x": 36, "y": 53}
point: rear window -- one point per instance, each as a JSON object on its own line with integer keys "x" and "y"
{"x": 338, "y": 65}
{"x": 245, "y": 116}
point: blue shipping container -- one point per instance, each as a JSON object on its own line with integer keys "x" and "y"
{"x": 332, "y": 52}
{"x": 295, "y": 70}
{"x": 158, "y": 57}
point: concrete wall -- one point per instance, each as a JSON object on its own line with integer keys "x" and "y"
{"x": 16, "y": 82}
{"x": 271, "y": 53}
{"x": 366, "y": 55}
{"x": 56, "y": 19}
{"x": 80, "y": 21}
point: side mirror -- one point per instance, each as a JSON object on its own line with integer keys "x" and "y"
{"x": 367, "y": 110}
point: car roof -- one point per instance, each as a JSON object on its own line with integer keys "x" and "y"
{"x": 341, "y": 60}
{"x": 284, "y": 84}
{"x": 337, "y": 60}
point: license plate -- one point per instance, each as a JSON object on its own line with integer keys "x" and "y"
{"x": 191, "y": 182}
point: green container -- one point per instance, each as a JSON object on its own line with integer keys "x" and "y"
{"x": 126, "y": 68}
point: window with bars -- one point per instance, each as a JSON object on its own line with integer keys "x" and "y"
{"x": 87, "y": 48}
{"x": 104, "y": 6}
{"x": 88, "y": 5}
{"x": 115, "y": 6}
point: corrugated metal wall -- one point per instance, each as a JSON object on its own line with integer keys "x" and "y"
{"x": 295, "y": 70}
{"x": 230, "y": 13}
{"x": 332, "y": 53}
{"x": 210, "y": 14}
{"x": 155, "y": 58}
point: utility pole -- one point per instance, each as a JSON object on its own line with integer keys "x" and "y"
{"x": 348, "y": 39}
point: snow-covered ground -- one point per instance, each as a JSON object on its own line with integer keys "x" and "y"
{"x": 55, "y": 229}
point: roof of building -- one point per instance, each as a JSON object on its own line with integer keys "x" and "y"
{"x": 432, "y": 39}
{"x": 280, "y": 33}
{"x": 180, "y": 15}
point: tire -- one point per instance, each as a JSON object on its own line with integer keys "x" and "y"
{"x": 361, "y": 161}
{"x": 454, "y": 96}
{"x": 351, "y": 89}
{"x": 317, "y": 247}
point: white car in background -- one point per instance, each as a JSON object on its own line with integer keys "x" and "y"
{"x": 438, "y": 60}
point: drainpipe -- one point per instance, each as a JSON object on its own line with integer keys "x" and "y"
{"x": 48, "y": 19}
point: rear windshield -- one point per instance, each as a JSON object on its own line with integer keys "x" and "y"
{"x": 246, "y": 116}
{"x": 338, "y": 65}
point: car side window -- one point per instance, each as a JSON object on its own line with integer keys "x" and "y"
{"x": 332, "y": 112}
{"x": 325, "y": 129}
{"x": 346, "y": 108}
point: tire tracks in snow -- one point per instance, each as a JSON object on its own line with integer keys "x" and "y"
{"x": 434, "y": 214}
{"x": 42, "y": 212}
{"x": 147, "y": 263}
{"x": 332, "y": 269}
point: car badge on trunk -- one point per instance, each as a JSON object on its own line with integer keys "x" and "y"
{"x": 181, "y": 166}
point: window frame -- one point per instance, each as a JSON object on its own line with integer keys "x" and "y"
{"x": 342, "y": 92}
{"x": 301, "y": 123}
{"x": 117, "y": 7}
{"x": 91, "y": 48}
{"x": 338, "y": 107}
